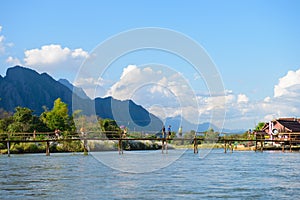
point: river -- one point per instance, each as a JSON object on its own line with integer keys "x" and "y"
{"x": 237, "y": 175}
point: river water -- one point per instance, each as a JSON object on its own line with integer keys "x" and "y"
{"x": 237, "y": 175}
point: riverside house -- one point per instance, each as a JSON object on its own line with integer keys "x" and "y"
{"x": 283, "y": 128}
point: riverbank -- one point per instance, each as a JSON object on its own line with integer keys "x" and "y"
{"x": 40, "y": 147}
{"x": 111, "y": 145}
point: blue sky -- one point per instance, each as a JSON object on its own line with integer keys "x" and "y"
{"x": 254, "y": 45}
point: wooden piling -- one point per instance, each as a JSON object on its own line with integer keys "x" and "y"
{"x": 290, "y": 142}
{"x": 8, "y": 149}
{"x": 231, "y": 147}
{"x": 120, "y": 146}
{"x": 195, "y": 145}
{"x": 255, "y": 145}
{"x": 166, "y": 146}
{"x": 85, "y": 149}
{"x": 47, "y": 148}
{"x": 162, "y": 145}
{"x": 225, "y": 146}
{"x": 261, "y": 146}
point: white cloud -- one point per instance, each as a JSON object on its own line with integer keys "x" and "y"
{"x": 13, "y": 61}
{"x": 242, "y": 98}
{"x": 92, "y": 87}
{"x": 77, "y": 53}
{"x": 267, "y": 99}
{"x": 2, "y": 45}
{"x": 55, "y": 60}
{"x": 127, "y": 69}
{"x": 289, "y": 85}
{"x": 51, "y": 54}
{"x": 156, "y": 85}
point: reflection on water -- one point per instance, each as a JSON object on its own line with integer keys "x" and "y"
{"x": 239, "y": 175}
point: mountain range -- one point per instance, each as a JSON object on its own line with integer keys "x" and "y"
{"x": 27, "y": 88}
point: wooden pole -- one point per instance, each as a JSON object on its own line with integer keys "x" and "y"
{"x": 47, "y": 149}
{"x": 8, "y": 145}
{"x": 8, "y": 149}
{"x": 119, "y": 146}
{"x": 85, "y": 150}
{"x": 195, "y": 146}
{"x": 162, "y": 145}
{"x": 166, "y": 146}
{"x": 290, "y": 142}
{"x": 255, "y": 143}
{"x": 225, "y": 146}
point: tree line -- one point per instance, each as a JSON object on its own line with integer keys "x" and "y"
{"x": 23, "y": 120}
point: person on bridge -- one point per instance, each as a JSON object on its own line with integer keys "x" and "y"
{"x": 57, "y": 133}
{"x": 164, "y": 141}
{"x": 169, "y": 131}
{"x": 120, "y": 145}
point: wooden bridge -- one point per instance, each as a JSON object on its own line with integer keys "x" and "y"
{"x": 228, "y": 144}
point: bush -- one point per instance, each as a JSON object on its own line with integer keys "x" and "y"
{"x": 31, "y": 148}
{"x": 3, "y": 146}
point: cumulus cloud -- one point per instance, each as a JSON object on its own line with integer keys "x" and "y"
{"x": 289, "y": 85}
{"x": 51, "y": 54}
{"x": 55, "y": 59}
{"x": 156, "y": 87}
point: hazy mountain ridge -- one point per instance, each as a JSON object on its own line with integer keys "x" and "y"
{"x": 187, "y": 126}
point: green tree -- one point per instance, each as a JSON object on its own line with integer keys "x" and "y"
{"x": 58, "y": 117}
{"x": 5, "y": 122}
{"x": 259, "y": 126}
{"x": 211, "y": 136}
{"x": 110, "y": 127}
{"x": 39, "y": 125}
{"x": 22, "y": 120}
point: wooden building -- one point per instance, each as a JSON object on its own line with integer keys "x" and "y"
{"x": 283, "y": 128}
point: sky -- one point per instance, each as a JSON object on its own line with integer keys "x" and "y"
{"x": 254, "y": 46}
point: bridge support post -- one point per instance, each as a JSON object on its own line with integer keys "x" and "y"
{"x": 166, "y": 146}
{"x": 8, "y": 149}
{"x": 290, "y": 142}
{"x": 231, "y": 147}
{"x": 120, "y": 147}
{"x": 195, "y": 145}
{"x": 255, "y": 144}
{"x": 261, "y": 145}
{"x": 85, "y": 149}
{"x": 47, "y": 148}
